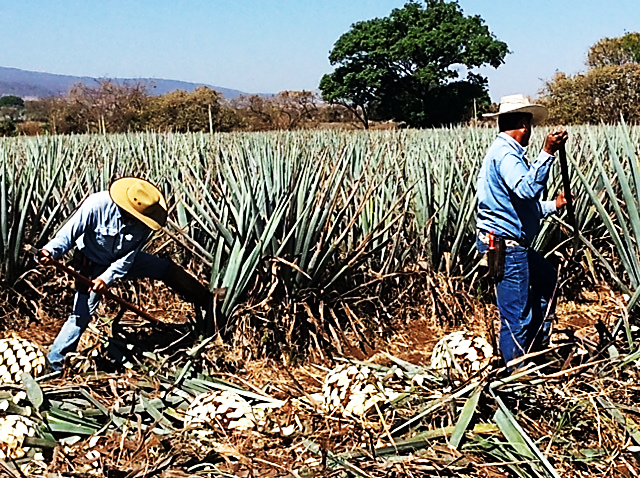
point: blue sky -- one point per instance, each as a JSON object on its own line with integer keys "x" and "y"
{"x": 273, "y": 45}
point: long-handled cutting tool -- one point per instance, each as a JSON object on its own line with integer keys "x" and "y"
{"x": 566, "y": 183}
{"x": 88, "y": 282}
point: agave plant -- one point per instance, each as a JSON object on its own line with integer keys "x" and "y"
{"x": 317, "y": 206}
{"x": 301, "y": 209}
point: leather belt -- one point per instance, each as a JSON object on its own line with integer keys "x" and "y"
{"x": 484, "y": 238}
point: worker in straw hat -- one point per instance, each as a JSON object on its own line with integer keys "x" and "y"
{"x": 108, "y": 231}
{"x": 510, "y": 209}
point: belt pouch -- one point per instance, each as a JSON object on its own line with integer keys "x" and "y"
{"x": 496, "y": 257}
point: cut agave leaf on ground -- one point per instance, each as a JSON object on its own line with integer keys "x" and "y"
{"x": 614, "y": 412}
{"x": 420, "y": 441}
{"x": 40, "y": 442}
{"x": 519, "y": 439}
{"x": 407, "y": 366}
{"x": 34, "y": 392}
{"x": 156, "y": 414}
{"x": 432, "y": 406}
{"x": 213, "y": 385}
{"x": 466, "y": 416}
{"x": 500, "y": 452}
{"x": 334, "y": 461}
{"x": 58, "y": 425}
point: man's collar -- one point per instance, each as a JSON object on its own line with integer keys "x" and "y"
{"x": 512, "y": 142}
{"x": 125, "y": 218}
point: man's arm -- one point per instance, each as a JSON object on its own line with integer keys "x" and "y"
{"x": 526, "y": 182}
{"x": 67, "y": 236}
{"x": 549, "y": 207}
{"x": 115, "y": 271}
{"x": 119, "y": 268}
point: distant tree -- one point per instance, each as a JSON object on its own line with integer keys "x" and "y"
{"x": 607, "y": 91}
{"x": 40, "y": 110}
{"x": 11, "y": 113}
{"x": 409, "y": 66}
{"x": 615, "y": 51}
{"x": 298, "y": 107}
{"x": 115, "y": 108}
{"x": 11, "y": 101}
{"x": 601, "y": 95}
{"x": 7, "y": 127}
{"x": 180, "y": 111}
{"x": 31, "y": 128}
{"x": 109, "y": 107}
{"x": 287, "y": 110}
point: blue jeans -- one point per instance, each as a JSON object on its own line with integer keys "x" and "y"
{"x": 525, "y": 297}
{"x": 85, "y": 305}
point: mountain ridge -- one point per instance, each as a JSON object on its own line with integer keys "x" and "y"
{"x": 35, "y": 84}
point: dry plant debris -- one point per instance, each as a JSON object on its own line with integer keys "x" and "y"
{"x": 194, "y": 411}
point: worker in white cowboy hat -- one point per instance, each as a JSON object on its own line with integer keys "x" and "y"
{"x": 509, "y": 214}
{"x": 109, "y": 229}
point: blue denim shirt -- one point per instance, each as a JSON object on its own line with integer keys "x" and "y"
{"x": 509, "y": 191}
{"x": 103, "y": 234}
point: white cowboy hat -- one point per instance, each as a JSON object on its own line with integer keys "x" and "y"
{"x": 520, "y": 104}
{"x": 141, "y": 199}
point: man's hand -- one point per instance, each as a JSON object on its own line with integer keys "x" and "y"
{"x": 99, "y": 286}
{"x": 44, "y": 257}
{"x": 554, "y": 140}
{"x": 561, "y": 201}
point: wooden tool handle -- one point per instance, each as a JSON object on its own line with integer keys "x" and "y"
{"x": 566, "y": 183}
{"x": 88, "y": 282}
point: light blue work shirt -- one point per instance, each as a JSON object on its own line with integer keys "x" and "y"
{"x": 103, "y": 235}
{"x": 509, "y": 191}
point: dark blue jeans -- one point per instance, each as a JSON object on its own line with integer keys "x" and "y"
{"x": 525, "y": 297}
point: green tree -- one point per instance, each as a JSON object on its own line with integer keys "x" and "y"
{"x": 11, "y": 112}
{"x": 414, "y": 65}
{"x": 607, "y": 91}
{"x": 615, "y": 51}
{"x": 7, "y": 128}
{"x": 11, "y": 101}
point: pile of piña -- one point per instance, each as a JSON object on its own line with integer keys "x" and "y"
{"x": 13, "y": 430}
{"x": 18, "y": 356}
{"x": 354, "y": 390}
{"x": 223, "y": 409}
{"x": 461, "y": 354}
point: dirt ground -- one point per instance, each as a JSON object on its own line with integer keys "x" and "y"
{"x": 412, "y": 342}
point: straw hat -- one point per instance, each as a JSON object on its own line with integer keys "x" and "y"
{"x": 520, "y": 104}
{"x": 141, "y": 199}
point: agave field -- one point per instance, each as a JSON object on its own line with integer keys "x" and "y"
{"x": 327, "y": 246}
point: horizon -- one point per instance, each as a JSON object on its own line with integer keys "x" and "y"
{"x": 276, "y": 45}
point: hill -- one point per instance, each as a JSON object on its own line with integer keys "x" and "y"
{"x": 33, "y": 84}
